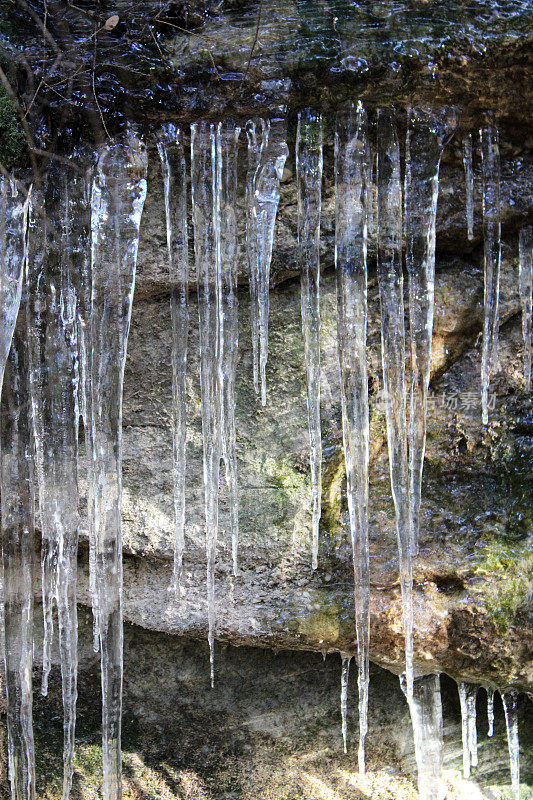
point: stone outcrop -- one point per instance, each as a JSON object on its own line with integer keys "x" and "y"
{"x": 473, "y": 576}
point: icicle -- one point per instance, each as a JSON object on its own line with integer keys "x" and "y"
{"x": 426, "y": 718}
{"x": 119, "y": 191}
{"x": 13, "y": 224}
{"x": 227, "y": 136}
{"x": 257, "y": 142}
{"x": 83, "y": 275}
{"x": 267, "y": 153}
{"x": 39, "y": 295}
{"x": 13, "y": 230}
{"x": 424, "y": 143}
{"x": 352, "y": 159}
{"x": 490, "y": 709}
{"x": 309, "y": 181}
{"x": 170, "y": 147}
{"x": 54, "y": 247}
{"x": 492, "y": 257}
{"x": 510, "y": 707}
{"x": 345, "y": 673}
{"x": 469, "y": 184}
{"x": 467, "y": 696}
{"x": 525, "y": 279}
{"x": 390, "y": 280}
{"x": 17, "y": 559}
{"x": 203, "y": 174}
{"x": 17, "y": 499}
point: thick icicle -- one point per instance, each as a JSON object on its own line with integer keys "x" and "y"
{"x": 525, "y": 271}
{"x": 510, "y": 707}
{"x": 426, "y": 718}
{"x": 13, "y": 223}
{"x": 203, "y": 182}
{"x": 83, "y": 275}
{"x": 352, "y": 159}
{"x": 267, "y": 153}
{"x": 490, "y": 709}
{"x": 469, "y": 184}
{"x": 467, "y": 696}
{"x": 257, "y": 135}
{"x": 53, "y": 351}
{"x": 309, "y": 183}
{"x": 119, "y": 191}
{"x": 17, "y": 560}
{"x": 170, "y": 147}
{"x": 490, "y": 154}
{"x": 227, "y": 136}
{"x": 390, "y": 280}
{"x": 345, "y": 674}
{"x": 424, "y": 143}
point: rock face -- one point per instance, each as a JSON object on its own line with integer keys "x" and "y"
{"x": 472, "y": 580}
{"x": 473, "y": 577}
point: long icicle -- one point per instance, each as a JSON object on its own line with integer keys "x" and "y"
{"x": 490, "y": 710}
{"x": 467, "y": 697}
{"x": 525, "y": 280}
{"x": 490, "y": 154}
{"x": 203, "y": 183}
{"x": 76, "y": 259}
{"x": 309, "y": 183}
{"x": 83, "y": 276}
{"x": 469, "y": 184}
{"x": 17, "y": 559}
{"x": 510, "y": 707}
{"x": 227, "y": 137}
{"x": 257, "y": 136}
{"x": 170, "y": 148}
{"x": 13, "y": 239}
{"x": 426, "y": 133}
{"x": 426, "y": 718}
{"x": 54, "y": 249}
{"x": 390, "y": 280}
{"x": 352, "y": 161}
{"x": 13, "y": 227}
{"x": 345, "y": 674}
{"x": 119, "y": 191}
{"x": 267, "y": 153}
{"x": 17, "y": 498}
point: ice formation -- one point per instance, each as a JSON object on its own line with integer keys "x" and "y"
{"x": 352, "y": 162}
{"x": 118, "y": 194}
{"x": 309, "y": 187}
{"x": 426, "y": 133}
{"x": 171, "y": 153}
{"x": 426, "y": 718}
{"x": 490, "y": 157}
{"x": 68, "y": 354}
{"x": 390, "y": 278}
{"x": 267, "y": 153}
{"x": 345, "y": 674}
{"x": 469, "y": 184}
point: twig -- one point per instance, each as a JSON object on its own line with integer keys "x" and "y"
{"x": 94, "y": 90}
{"x": 256, "y": 37}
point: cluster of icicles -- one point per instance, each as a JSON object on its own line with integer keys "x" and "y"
{"x": 67, "y": 259}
